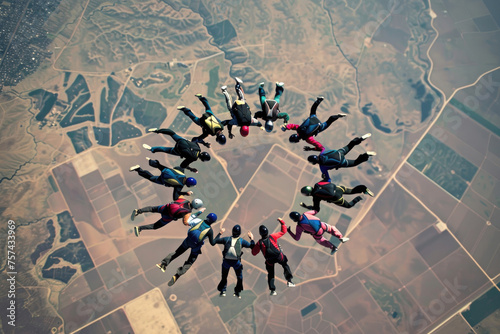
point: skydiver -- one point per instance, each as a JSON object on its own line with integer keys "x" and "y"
{"x": 329, "y": 192}
{"x": 270, "y": 108}
{"x": 311, "y": 127}
{"x": 199, "y": 231}
{"x": 232, "y": 258}
{"x": 310, "y": 224}
{"x": 272, "y": 252}
{"x": 331, "y": 159}
{"x": 169, "y": 177}
{"x": 240, "y": 111}
{"x": 184, "y": 148}
{"x": 209, "y": 123}
{"x": 180, "y": 208}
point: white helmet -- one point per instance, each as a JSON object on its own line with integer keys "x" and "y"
{"x": 197, "y": 203}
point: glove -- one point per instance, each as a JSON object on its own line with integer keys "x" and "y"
{"x": 231, "y": 136}
{"x": 283, "y": 127}
{"x": 308, "y": 148}
{"x": 302, "y": 204}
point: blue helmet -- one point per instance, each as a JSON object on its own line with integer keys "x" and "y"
{"x": 221, "y": 139}
{"x": 211, "y": 218}
{"x": 191, "y": 182}
{"x": 236, "y": 231}
{"x": 294, "y": 138}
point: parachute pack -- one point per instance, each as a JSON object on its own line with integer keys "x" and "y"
{"x": 241, "y": 112}
{"x": 188, "y": 149}
{"x": 234, "y": 249}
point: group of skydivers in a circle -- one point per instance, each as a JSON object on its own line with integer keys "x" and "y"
{"x": 200, "y": 229}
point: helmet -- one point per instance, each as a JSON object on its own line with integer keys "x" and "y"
{"x": 294, "y": 138}
{"x": 204, "y": 156}
{"x": 221, "y": 139}
{"x": 263, "y": 231}
{"x": 306, "y": 191}
{"x": 197, "y": 203}
{"x": 190, "y": 182}
{"x": 269, "y": 126}
{"x": 295, "y": 216}
{"x": 211, "y": 218}
{"x": 244, "y": 130}
{"x": 236, "y": 231}
{"x": 314, "y": 159}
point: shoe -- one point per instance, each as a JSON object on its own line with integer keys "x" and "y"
{"x": 371, "y": 153}
{"x": 273, "y": 293}
{"x": 152, "y": 129}
{"x": 280, "y": 84}
{"x": 134, "y": 214}
{"x": 345, "y": 239}
{"x": 136, "y": 230}
{"x": 368, "y": 135}
{"x": 340, "y": 115}
{"x": 161, "y": 266}
{"x": 369, "y": 192}
{"x": 223, "y": 88}
{"x": 334, "y": 249}
{"x": 222, "y": 294}
{"x": 147, "y": 147}
{"x": 238, "y": 80}
{"x": 134, "y": 168}
{"x": 320, "y": 98}
{"x": 173, "y": 280}
{"x": 198, "y": 95}
{"x": 148, "y": 158}
{"x": 290, "y": 284}
{"x": 237, "y": 294}
{"x": 262, "y": 84}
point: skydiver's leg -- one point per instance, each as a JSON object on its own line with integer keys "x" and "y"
{"x": 190, "y": 114}
{"x": 356, "y": 190}
{"x": 279, "y": 91}
{"x": 238, "y": 270}
{"x": 147, "y": 175}
{"x": 229, "y": 102}
{"x": 189, "y": 262}
{"x": 204, "y": 101}
{"x": 324, "y": 242}
{"x": 163, "y": 149}
{"x": 159, "y": 224}
{"x": 331, "y": 230}
{"x": 224, "y": 272}
{"x": 315, "y": 106}
{"x": 156, "y": 164}
{"x": 286, "y": 269}
{"x": 270, "y": 276}
{"x": 172, "y": 256}
{"x": 262, "y": 96}
{"x": 239, "y": 91}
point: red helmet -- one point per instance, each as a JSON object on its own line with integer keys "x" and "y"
{"x": 244, "y": 130}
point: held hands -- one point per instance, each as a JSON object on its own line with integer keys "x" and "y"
{"x": 189, "y": 193}
{"x": 194, "y": 170}
{"x": 283, "y": 127}
{"x": 202, "y": 209}
{"x": 250, "y": 235}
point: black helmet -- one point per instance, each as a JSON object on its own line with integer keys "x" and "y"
{"x": 294, "y": 138}
{"x": 263, "y": 231}
{"x": 314, "y": 159}
{"x": 204, "y": 156}
{"x": 306, "y": 191}
{"x": 295, "y": 216}
{"x": 221, "y": 139}
{"x": 236, "y": 231}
